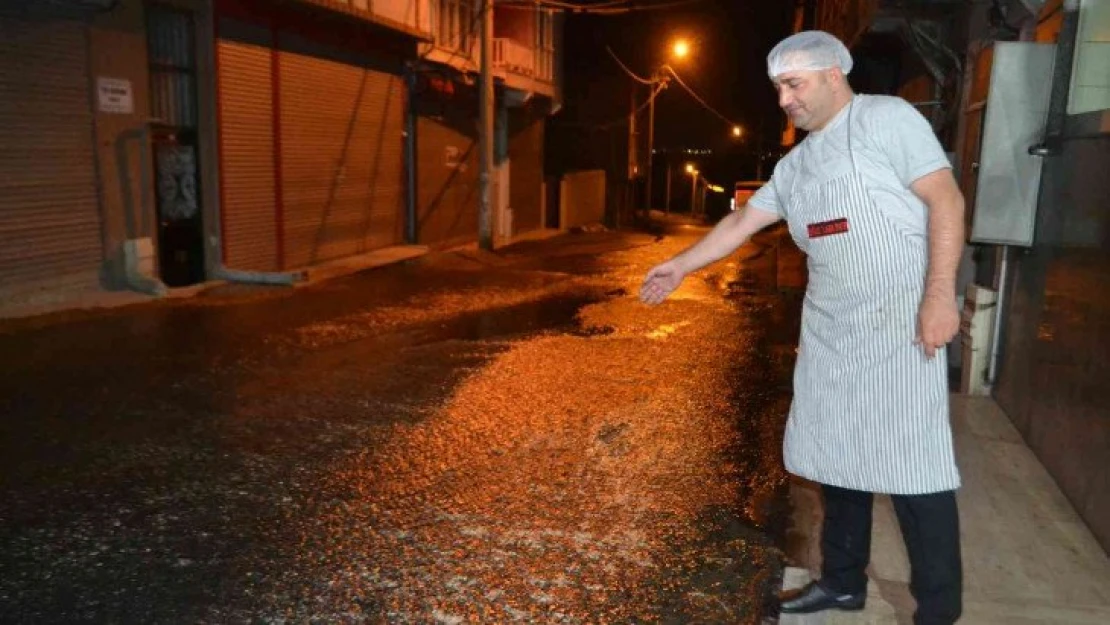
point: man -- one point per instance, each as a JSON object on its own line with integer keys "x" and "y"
{"x": 870, "y": 197}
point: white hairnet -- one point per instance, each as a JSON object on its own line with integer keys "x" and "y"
{"x": 808, "y": 50}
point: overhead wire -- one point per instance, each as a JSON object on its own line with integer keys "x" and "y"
{"x": 623, "y": 119}
{"x": 640, "y": 79}
{"x": 606, "y": 8}
{"x": 630, "y": 73}
{"x": 697, "y": 97}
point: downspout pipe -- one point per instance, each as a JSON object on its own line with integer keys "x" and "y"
{"x": 281, "y": 278}
{"x": 1052, "y": 142}
{"x": 410, "y": 155}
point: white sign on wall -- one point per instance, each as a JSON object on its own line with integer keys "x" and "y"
{"x": 114, "y": 95}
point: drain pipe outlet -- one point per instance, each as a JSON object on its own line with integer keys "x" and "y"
{"x": 280, "y": 278}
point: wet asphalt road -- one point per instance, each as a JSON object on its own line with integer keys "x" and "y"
{"x": 469, "y": 437}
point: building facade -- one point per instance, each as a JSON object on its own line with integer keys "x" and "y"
{"x": 446, "y": 109}
{"x": 163, "y": 143}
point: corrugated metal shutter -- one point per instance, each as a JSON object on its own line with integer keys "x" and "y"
{"x": 50, "y": 226}
{"x": 526, "y": 175}
{"x": 447, "y": 198}
{"x": 246, "y": 112}
{"x": 341, "y": 158}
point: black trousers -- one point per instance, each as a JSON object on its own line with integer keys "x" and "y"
{"x": 931, "y": 528}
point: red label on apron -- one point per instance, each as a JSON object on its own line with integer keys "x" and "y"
{"x": 825, "y": 228}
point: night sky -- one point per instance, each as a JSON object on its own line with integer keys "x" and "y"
{"x": 726, "y": 67}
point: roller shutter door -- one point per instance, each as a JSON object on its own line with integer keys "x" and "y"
{"x": 248, "y": 197}
{"x": 341, "y": 155}
{"x": 50, "y": 225}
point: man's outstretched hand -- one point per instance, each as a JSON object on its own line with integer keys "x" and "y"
{"x": 660, "y": 282}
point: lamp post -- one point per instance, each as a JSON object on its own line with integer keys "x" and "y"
{"x": 667, "y": 197}
{"x": 690, "y": 169}
{"x": 651, "y": 142}
{"x": 680, "y": 49}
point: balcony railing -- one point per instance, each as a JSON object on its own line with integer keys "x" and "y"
{"x": 412, "y": 16}
{"x": 510, "y": 56}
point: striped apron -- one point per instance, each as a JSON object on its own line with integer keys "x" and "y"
{"x": 870, "y": 411}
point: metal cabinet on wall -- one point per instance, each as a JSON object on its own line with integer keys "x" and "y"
{"x": 1004, "y": 177}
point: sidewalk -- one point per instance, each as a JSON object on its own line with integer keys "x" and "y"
{"x": 101, "y": 299}
{"x": 1028, "y": 558}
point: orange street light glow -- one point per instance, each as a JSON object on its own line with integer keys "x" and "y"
{"x": 681, "y": 49}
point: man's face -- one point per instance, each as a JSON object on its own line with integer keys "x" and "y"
{"x": 807, "y": 97}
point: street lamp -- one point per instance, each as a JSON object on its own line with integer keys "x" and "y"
{"x": 693, "y": 171}
{"x": 737, "y": 131}
{"x": 680, "y": 49}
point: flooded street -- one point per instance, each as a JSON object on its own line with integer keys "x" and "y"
{"x": 469, "y": 437}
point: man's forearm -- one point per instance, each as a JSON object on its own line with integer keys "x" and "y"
{"x": 946, "y": 244}
{"x": 730, "y": 233}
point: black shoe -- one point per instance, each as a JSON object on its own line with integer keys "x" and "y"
{"x": 814, "y": 598}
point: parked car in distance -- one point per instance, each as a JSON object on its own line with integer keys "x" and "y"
{"x": 743, "y": 191}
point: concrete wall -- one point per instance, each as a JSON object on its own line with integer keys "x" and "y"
{"x": 118, "y": 49}
{"x": 1055, "y": 333}
{"x": 1055, "y": 342}
{"x": 117, "y": 46}
{"x": 582, "y": 198}
{"x": 520, "y": 26}
{"x": 1056, "y": 345}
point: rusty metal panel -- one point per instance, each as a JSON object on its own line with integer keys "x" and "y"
{"x": 526, "y": 172}
{"x": 341, "y": 157}
{"x": 248, "y": 199}
{"x": 447, "y": 197}
{"x": 50, "y": 224}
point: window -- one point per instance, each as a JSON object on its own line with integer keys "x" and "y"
{"x": 545, "y": 44}
{"x": 172, "y": 69}
{"x": 456, "y": 22}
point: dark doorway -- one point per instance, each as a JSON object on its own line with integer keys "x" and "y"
{"x": 551, "y": 207}
{"x": 171, "y": 49}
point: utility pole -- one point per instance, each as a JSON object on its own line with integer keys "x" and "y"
{"x": 633, "y": 169}
{"x": 668, "y": 202}
{"x": 485, "y": 132}
{"x": 759, "y": 151}
{"x": 693, "y": 193}
{"x": 651, "y": 148}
